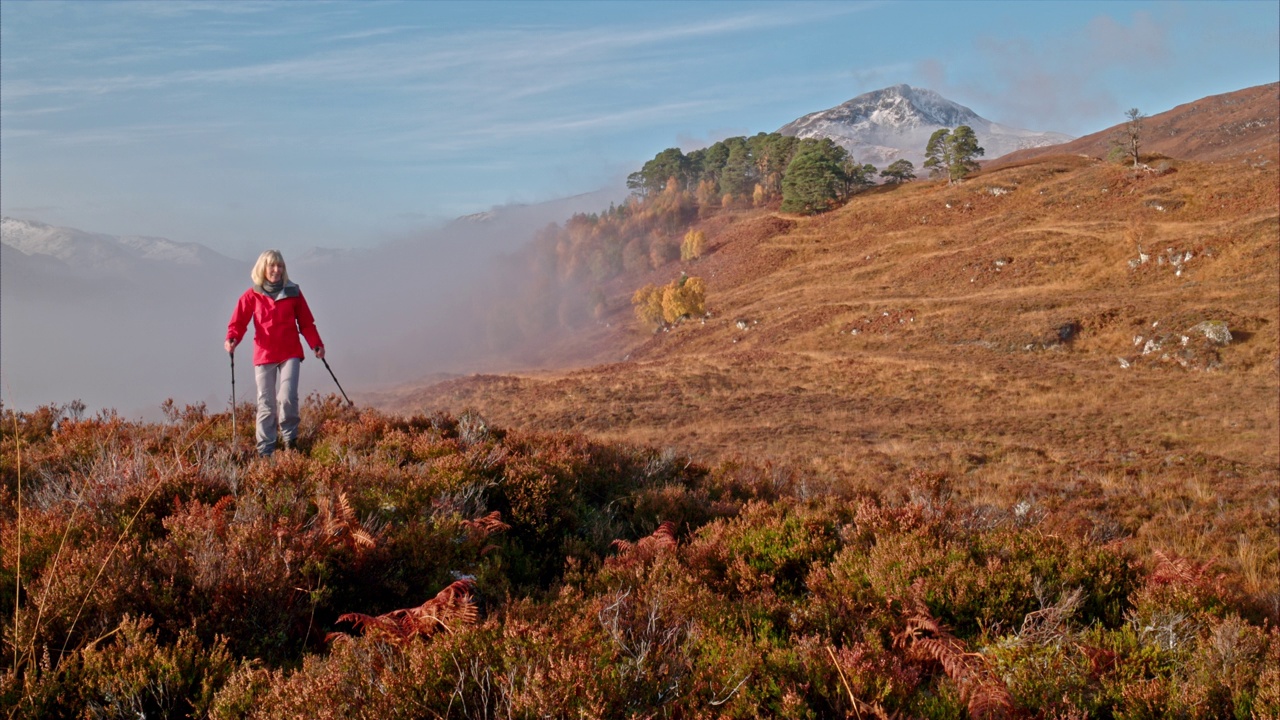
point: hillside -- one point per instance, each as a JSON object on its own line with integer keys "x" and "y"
{"x": 1003, "y": 449}
{"x": 974, "y": 287}
{"x": 1240, "y": 126}
{"x": 1022, "y": 332}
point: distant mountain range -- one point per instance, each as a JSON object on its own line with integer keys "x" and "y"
{"x": 896, "y": 122}
{"x": 100, "y": 252}
{"x": 125, "y": 321}
{"x": 876, "y": 127}
{"x": 113, "y": 321}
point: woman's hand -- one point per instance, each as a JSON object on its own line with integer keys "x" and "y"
{"x": 320, "y": 352}
{"x": 229, "y": 345}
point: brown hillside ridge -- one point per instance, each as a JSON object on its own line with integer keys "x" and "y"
{"x": 1242, "y": 126}
{"x": 1051, "y": 331}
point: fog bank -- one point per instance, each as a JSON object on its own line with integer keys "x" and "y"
{"x": 128, "y": 338}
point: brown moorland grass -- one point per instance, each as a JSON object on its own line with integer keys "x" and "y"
{"x": 169, "y": 575}
{"x": 976, "y": 450}
{"x": 1235, "y": 127}
{"x": 992, "y": 330}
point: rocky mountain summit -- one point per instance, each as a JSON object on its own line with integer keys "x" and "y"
{"x": 896, "y": 122}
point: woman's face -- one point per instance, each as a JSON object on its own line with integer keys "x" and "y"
{"x": 274, "y": 272}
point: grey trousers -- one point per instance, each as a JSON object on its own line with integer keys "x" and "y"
{"x": 277, "y": 385}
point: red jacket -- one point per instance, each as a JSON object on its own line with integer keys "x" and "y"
{"x": 276, "y": 324}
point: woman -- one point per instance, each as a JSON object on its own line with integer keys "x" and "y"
{"x": 279, "y": 314}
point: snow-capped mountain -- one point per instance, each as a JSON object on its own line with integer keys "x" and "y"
{"x": 101, "y": 252}
{"x": 896, "y": 122}
{"x": 114, "y": 321}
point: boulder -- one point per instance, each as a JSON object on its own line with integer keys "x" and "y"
{"x": 1215, "y": 331}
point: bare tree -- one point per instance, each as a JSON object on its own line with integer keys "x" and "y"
{"x": 1131, "y": 135}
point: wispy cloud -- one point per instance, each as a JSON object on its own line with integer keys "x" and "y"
{"x": 1054, "y": 79}
{"x": 134, "y": 134}
{"x": 428, "y": 100}
{"x": 385, "y": 56}
{"x": 16, "y": 134}
{"x": 13, "y": 114}
{"x": 577, "y": 123}
{"x": 426, "y": 91}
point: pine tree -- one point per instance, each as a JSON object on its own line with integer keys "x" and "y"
{"x": 738, "y": 177}
{"x": 900, "y": 170}
{"x": 816, "y": 179}
{"x": 937, "y": 153}
{"x": 964, "y": 150}
{"x": 655, "y": 175}
{"x": 951, "y": 154}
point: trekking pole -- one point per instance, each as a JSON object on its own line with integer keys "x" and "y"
{"x": 232, "y": 353}
{"x": 335, "y": 381}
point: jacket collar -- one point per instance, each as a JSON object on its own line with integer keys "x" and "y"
{"x": 289, "y": 290}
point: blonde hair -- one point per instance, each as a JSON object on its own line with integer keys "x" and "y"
{"x": 259, "y": 273}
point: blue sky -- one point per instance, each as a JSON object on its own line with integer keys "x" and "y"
{"x": 243, "y": 125}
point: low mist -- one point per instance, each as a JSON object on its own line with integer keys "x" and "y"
{"x": 128, "y": 339}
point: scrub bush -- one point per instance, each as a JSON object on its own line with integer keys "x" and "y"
{"x": 435, "y": 566}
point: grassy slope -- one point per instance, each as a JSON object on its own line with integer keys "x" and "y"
{"x": 958, "y": 364}
{"x": 992, "y": 320}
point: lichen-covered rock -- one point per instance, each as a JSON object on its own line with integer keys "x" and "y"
{"x": 1215, "y": 331}
{"x": 1194, "y": 349}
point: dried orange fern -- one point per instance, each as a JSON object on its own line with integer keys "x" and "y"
{"x": 483, "y": 527}
{"x": 336, "y": 524}
{"x": 451, "y": 608}
{"x": 983, "y": 691}
{"x": 645, "y": 549}
{"x": 1174, "y": 570}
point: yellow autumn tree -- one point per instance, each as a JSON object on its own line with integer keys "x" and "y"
{"x": 671, "y": 303}
{"x": 648, "y": 305}
{"x": 691, "y": 248}
{"x": 686, "y": 297}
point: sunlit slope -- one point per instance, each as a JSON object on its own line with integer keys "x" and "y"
{"x": 1005, "y": 316}
{"x": 1236, "y": 127}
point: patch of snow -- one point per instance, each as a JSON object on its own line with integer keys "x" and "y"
{"x": 98, "y": 251}
{"x": 882, "y": 126}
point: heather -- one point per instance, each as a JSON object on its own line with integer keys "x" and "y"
{"x": 439, "y": 566}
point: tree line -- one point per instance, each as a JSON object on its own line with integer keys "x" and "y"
{"x": 808, "y": 175}
{"x": 672, "y": 190}
{"x": 558, "y": 279}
